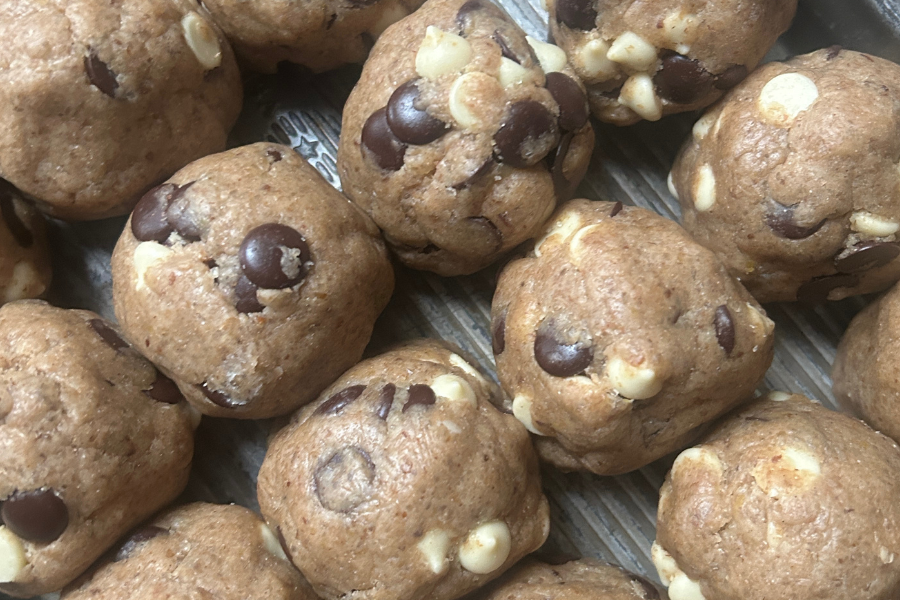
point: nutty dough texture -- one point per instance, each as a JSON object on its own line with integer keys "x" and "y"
{"x": 461, "y": 134}
{"x": 93, "y": 440}
{"x": 25, "y": 269}
{"x": 101, "y": 100}
{"x": 786, "y": 500}
{"x": 618, "y": 338}
{"x": 250, "y": 281}
{"x": 198, "y": 551}
{"x": 404, "y": 482}
{"x": 793, "y": 178}
{"x": 643, "y": 59}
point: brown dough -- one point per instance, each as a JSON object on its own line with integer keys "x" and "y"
{"x": 25, "y": 270}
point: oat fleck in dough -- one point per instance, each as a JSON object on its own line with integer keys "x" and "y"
{"x": 403, "y": 481}
{"x": 101, "y": 100}
{"x": 618, "y": 338}
{"x": 198, "y": 551}
{"x": 644, "y": 60}
{"x": 25, "y": 270}
{"x": 461, "y": 135}
{"x": 793, "y": 179}
{"x": 250, "y": 281}
{"x": 785, "y": 500}
{"x": 93, "y": 440}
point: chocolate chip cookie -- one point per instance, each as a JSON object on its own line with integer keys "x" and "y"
{"x": 24, "y": 257}
{"x": 786, "y": 500}
{"x": 793, "y": 179}
{"x": 93, "y": 439}
{"x": 461, "y": 134}
{"x": 403, "y": 481}
{"x": 250, "y": 281}
{"x": 101, "y": 100}
{"x": 618, "y": 338}
{"x": 644, "y": 60}
{"x": 197, "y": 551}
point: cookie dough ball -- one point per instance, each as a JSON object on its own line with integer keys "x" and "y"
{"x": 403, "y": 481}
{"x": 93, "y": 440}
{"x": 101, "y": 100}
{"x": 25, "y": 270}
{"x": 618, "y": 338}
{"x": 197, "y": 551}
{"x": 793, "y": 179}
{"x": 644, "y": 60}
{"x": 461, "y": 135}
{"x": 250, "y": 281}
{"x": 786, "y": 500}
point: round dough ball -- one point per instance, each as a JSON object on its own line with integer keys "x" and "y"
{"x": 793, "y": 179}
{"x": 786, "y": 500}
{"x": 101, "y": 100}
{"x": 461, "y": 135}
{"x": 403, "y": 481}
{"x": 250, "y": 281}
{"x": 93, "y": 440}
{"x": 25, "y": 269}
{"x": 197, "y": 551}
{"x": 644, "y": 60}
{"x": 618, "y": 338}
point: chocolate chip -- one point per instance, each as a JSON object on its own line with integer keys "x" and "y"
{"x": 724, "y": 329}
{"x": 505, "y": 50}
{"x": 832, "y": 52}
{"x": 100, "y": 75}
{"x": 526, "y": 136}
{"x": 344, "y": 481}
{"x": 245, "y": 300}
{"x": 730, "y": 77}
{"x": 616, "y": 209}
{"x": 498, "y": 335}
{"x": 219, "y": 398}
{"x": 164, "y": 390}
{"x": 780, "y": 219}
{"x": 385, "y": 401}
{"x": 108, "y": 334}
{"x": 180, "y": 216}
{"x": 817, "y": 290}
{"x": 410, "y": 123}
{"x": 577, "y": 14}
{"x": 138, "y": 538}
{"x": 274, "y": 256}
{"x": 37, "y": 515}
{"x": 462, "y": 15}
{"x": 419, "y": 394}
{"x": 274, "y": 154}
{"x": 341, "y": 400}
{"x": 386, "y": 149}
{"x": 150, "y": 221}
{"x": 867, "y": 255}
{"x": 17, "y": 228}
{"x": 557, "y": 357}
{"x": 476, "y": 176}
{"x": 682, "y": 80}
{"x": 573, "y": 106}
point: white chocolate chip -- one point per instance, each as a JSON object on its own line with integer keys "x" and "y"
{"x": 452, "y": 427}
{"x": 777, "y": 396}
{"x": 759, "y": 320}
{"x": 568, "y": 224}
{"x": 685, "y": 588}
{"x": 704, "y": 189}
{"x": 552, "y": 58}
{"x": 699, "y": 456}
{"x": 486, "y": 548}
{"x": 512, "y": 73}
{"x": 886, "y": 556}
{"x": 146, "y": 254}
{"x": 786, "y": 96}
{"x": 576, "y": 246}
{"x": 633, "y": 51}
{"x": 202, "y": 40}
{"x": 670, "y": 183}
{"x": 790, "y": 470}
{"x": 866, "y": 223}
{"x": 521, "y": 407}
{"x": 802, "y": 461}
{"x": 639, "y": 95}
{"x": 24, "y": 283}
{"x": 454, "y": 388}
{"x": 681, "y": 29}
{"x": 441, "y": 53}
{"x": 12, "y": 555}
{"x": 592, "y": 64}
{"x": 666, "y": 567}
{"x": 391, "y": 14}
{"x": 466, "y": 102}
{"x": 458, "y": 361}
{"x": 271, "y": 542}
{"x": 703, "y": 125}
{"x": 434, "y": 547}
{"x": 629, "y": 381}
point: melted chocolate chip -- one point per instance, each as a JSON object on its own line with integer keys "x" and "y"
{"x": 164, "y": 390}
{"x": 17, "y": 228}
{"x": 557, "y": 357}
{"x": 518, "y": 141}
{"x": 498, "y": 335}
{"x": 37, "y": 515}
{"x": 138, "y": 538}
{"x": 345, "y": 479}
{"x": 385, "y": 401}
{"x": 274, "y": 154}
{"x": 477, "y": 175}
{"x": 780, "y": 219}
{"x": 724, "y": 329}
{"x": 832, "y": 52}
{"x": 100, "y": 75}
{"x": 385, "y": 148}
{"x": 577, "y": 14}
{"x": 817, "y": 290}
{"x": 219, "y": 398}
{"x": 730, "y": 77}
{"x": 108, "y": 334}
{"x": 682, "y": 80}
{"x": 411, "y": 124}
{"x": 573, "y": 106}
{"x": 341, "y": 400}
{"x": 616, "y": 209}
{"x": 867, "y": 255}
{"x": 274, "y": 256}
{"x": 419, "y": 394}
{"x": 245, "y": 300}
{"x": 150, "y": 221}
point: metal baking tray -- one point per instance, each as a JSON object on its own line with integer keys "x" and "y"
{"x": 612, "y": 518}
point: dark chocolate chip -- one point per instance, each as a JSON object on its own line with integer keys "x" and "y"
{"x": 180, "y": 216}
{"x": 385, "y": 401}
{"x": 616, "y": 209}
{"x": 832, "y": 52}
{"x": 730, "y": 77}
{"x": 724, "y": 329}
{"x": 385, "y": 148}
{"x": 462, "y": 15}
{"x": 867, "y": 255}
{"x": 245, "y": 300}
{"x": 780, "y": 219}
{"x": 419, "y": 394}
{"x": 17, "y": 228}
{"x": 505, "y": 50}
{"x": 344, "y": 480}
{"x": 274, "y": 256}
{"x": 577, "y": 14}
{"x": 164, "y": 390}
{"x": 37, "y": 515}
{"x": 498, "y": 335}
{"x": 150, "y": 221}
{"x": 410, "y": 123}
{"x": 219, "y": 398}
{"x": 100, "y": 75}
{"x": 476, "y": 176}
{"x": 682, "y": 80}
{"x": 518, "y": 142}
{"x": 108, "y": 334}
{"x": 341, "y": 400}
{"x": 557, "y": 357}
{"x": 817, "y": 290}
{"x": 138, "y": 538}
{"x": 573, "y": 106}
{"x": 274, "y": 154}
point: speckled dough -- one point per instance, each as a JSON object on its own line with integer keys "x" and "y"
{"x": 92, "y": 441}
{"x": 793, "y": 179}
{"x": 250, "y": 281}
{"x": 24, "y": 256}
{"x": 197, "y": 552}
{"x": 786, "y": 500}
{"x": 461, "y": 134}
{"x": 404, "y": 482}
{"x": 618, "y": 338}
{"x": 319, "y": 34}
{"x": 101, "y": 100}
{"x": 643, "y": 59}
